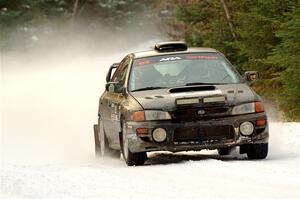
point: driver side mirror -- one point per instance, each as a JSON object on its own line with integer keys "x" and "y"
{"x": 251, "y": 76}
{"x": 114, "y": 87}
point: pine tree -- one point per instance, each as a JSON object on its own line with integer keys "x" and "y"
{"x": 286, "y": 56}
{"x": 256, "y": 28}
{"x": 207, "y": 25}
{"x": 257, "y": 23}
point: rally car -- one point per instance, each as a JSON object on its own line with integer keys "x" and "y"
{"x": 175, "y": 98}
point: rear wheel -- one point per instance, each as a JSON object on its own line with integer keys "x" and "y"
{"x": 224, "y": 151}
{"x": 130, "y": 158}
{"x": 257, "y": 151}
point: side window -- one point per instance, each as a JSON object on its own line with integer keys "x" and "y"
{"x": 117, "y": 72}
{"x": 123, "y": 72}
{"x": 120, "y": 74}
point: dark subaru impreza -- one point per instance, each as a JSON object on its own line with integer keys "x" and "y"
{"x": 175, "y": 98}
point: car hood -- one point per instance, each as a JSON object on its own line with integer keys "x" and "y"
{"x": 162, "y": 99}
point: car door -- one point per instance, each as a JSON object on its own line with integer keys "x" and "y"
{"x": 114, "y": 100}
{"x": 104, "y": 109}
{"x": 105, "y": 103}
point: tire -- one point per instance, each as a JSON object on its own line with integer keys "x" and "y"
{"x": 131, "y": 159}
{"x": 101, "y": 142}
{"x": 257, "y": 151}
{"x": 224, "y": 151}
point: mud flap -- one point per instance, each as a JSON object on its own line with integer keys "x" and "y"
{"x": 121, "y": 143}
{"x": 97, "y": 141}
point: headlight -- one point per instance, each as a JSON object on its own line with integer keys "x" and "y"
{"x": 139, "y": 116}
{"x": 244, "y": 109}
{"x": 254, "y": 107}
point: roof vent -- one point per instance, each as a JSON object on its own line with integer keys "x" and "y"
{"x": 170, "y": 46}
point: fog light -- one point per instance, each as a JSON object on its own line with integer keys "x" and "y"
{"x": 141, "y": 130}
{"x": 261, "y": 122}
{"x": 159, "y": 135}
{"x": 246, "y": 128}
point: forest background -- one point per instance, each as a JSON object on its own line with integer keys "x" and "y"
{"x": 262, "y": 35}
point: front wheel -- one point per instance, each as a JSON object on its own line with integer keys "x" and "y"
{"x": 257, "y": 151}
{"x": 130, "y": 158}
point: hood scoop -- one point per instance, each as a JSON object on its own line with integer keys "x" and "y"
{"x": 191, "y": 89}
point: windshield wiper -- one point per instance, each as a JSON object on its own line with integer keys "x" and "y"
{"x": 148, "y": 88}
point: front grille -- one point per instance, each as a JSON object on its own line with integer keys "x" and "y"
{"x": 220, "y": 132}
{"x": 192, "y": 113}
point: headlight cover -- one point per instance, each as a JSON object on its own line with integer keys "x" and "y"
{"x": 149, "y": 115}
{"x": 157, "y": 115}
{"x": 244, "y": 109}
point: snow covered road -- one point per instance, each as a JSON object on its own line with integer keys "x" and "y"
{"x": 47, "y": 114}
{"x": 181, "y": 175}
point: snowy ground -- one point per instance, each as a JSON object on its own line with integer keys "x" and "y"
{"x": 47, "y": 112}
{"x": 182, "y": 175}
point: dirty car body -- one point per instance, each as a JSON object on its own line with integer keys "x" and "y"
{"x": 175, "y": 98}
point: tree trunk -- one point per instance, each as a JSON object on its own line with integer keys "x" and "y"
{"x": 228, "y": 18}
{"x": 75, "y": 11}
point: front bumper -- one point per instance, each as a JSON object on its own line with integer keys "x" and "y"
{"x": 140, "y": 144}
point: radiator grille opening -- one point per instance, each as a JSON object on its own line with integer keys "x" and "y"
{"x": 203, "y": 133}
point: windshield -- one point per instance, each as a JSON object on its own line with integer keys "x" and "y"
{"x": 181, "y": 69}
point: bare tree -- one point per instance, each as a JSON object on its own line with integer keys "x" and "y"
{"x": 228, "y": 18}
{"x": 75, "y": 11}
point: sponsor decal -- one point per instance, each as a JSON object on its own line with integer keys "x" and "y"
{"x": 144, "y": 62}
{"x": 170, "y": 59}
{"x": 201, "y": 57}
{"x": 114, "y": 117}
